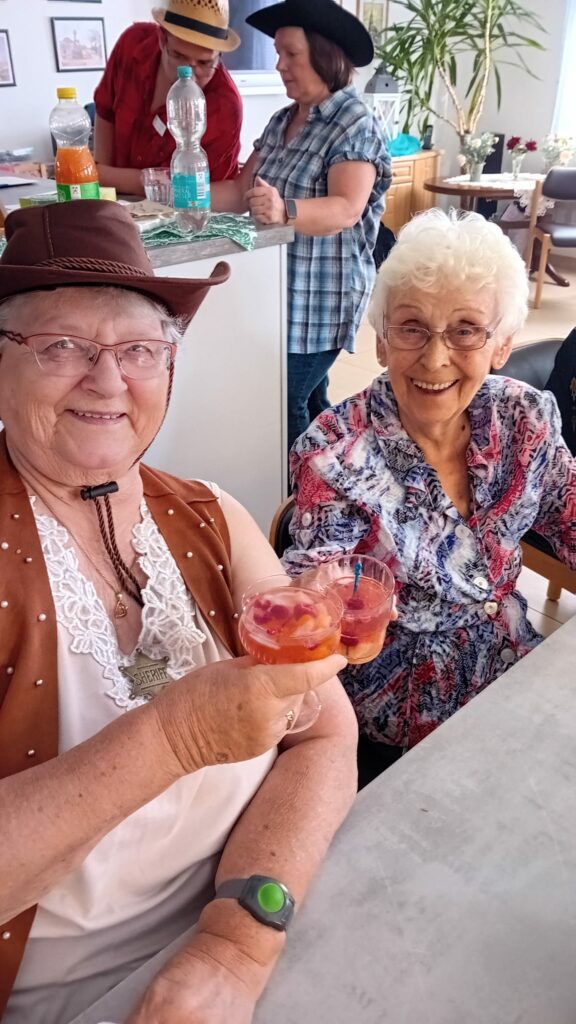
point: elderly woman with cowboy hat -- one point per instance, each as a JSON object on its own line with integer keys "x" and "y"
{"x": 320, "y": 165}
{"x": 130, "y": 129}
{"x": 438, "y": 468}
{"x": 126, "y": 819}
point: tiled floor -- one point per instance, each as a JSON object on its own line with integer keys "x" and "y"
{"x": 555, "y": 318}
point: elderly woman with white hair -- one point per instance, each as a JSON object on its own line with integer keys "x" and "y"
{"x": 438, "y": 468}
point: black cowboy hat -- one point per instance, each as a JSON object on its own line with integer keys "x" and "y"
{"x": 91, "y": 242}
{"x": 326, "y": 18}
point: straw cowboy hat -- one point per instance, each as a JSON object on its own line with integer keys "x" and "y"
{"x": 202, "y": 22}
{"x": 91, "y": 242}
{"x": 326, "y": 18}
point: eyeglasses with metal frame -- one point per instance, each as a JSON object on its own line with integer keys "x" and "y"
{"x": 66, "y": 355}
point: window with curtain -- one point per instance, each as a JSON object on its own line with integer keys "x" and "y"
{"x": 564, "y": 122}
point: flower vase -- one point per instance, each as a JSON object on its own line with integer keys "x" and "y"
{"x": 517, "y": 164}
{"x": 475, "y": 172}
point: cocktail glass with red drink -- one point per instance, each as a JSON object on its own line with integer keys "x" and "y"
{"x": 365, "y": 586}
{"x": 286, "y": 623}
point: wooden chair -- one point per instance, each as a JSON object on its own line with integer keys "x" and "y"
{"x": 559, "y": 184}
{"x": 279, "y": 536}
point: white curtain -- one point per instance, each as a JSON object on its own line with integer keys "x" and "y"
{"x": 564, "y": 122}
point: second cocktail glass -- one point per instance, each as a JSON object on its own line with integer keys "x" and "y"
{"x": 366, "y": 588}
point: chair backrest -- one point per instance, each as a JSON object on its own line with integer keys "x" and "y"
{"x": 532, "y": 363}
{"x": 279, "y": 537}
{"x": 560, "y": 183}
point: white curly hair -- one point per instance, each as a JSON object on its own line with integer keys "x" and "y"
{"x": 437, "y": 249}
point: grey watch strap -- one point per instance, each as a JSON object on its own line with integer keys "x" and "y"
{"x": 267, "y": 899}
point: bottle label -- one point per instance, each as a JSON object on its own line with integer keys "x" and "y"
{"x": 191, "y": 191}
{"x": 86, "y": 190}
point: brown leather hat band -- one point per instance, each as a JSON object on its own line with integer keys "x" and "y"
{"x": 195, "y": 26}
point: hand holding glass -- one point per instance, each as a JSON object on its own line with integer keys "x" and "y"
{"x": 283, "y": 623}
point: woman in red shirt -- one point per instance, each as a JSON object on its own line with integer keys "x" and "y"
{"x": 131, "y": 131}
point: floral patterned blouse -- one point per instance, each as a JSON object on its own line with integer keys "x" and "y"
{"x": 362, "y": 484}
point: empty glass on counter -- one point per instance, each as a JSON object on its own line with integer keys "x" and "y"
{"x": 157, "y": 185}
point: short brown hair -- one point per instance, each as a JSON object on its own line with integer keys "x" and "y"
{"x": 329, "y": 62}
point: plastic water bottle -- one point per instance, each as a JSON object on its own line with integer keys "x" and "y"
{"x": 186, "y": 111}
{"x": 75, "y": 168}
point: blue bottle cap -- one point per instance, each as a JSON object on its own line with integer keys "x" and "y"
{"x": 184, "y": 71}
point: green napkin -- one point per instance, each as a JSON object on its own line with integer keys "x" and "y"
{"x": 239, "y": 229}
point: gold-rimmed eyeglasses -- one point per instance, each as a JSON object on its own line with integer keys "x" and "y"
{"x": 66, "y": 355}
{"x": 463, "y": 338}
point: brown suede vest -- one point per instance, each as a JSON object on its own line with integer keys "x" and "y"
{"x": 190, "y": 519}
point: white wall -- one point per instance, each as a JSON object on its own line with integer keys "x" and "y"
{"x": 24, "y": 109}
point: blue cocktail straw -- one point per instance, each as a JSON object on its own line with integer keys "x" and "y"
{"x": 357, "y": 575}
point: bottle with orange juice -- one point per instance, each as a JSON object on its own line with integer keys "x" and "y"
{"x": 75, "y": 168}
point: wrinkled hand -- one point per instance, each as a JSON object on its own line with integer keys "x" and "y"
{"x": 194, "y": 988}
{"x": 265, "y": 203}
{"x": 234, "y": 710}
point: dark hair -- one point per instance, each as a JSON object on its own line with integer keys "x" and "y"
{"x": 329, "y": 61}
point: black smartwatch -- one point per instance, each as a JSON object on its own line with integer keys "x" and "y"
{"x": 291, "y": 211}
{"x": 265, "y": 898}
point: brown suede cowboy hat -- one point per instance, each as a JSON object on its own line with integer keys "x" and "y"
{"x": 202, "y": 22}
{"x": 91, "y": 242}
{"x": 326, "y": 18}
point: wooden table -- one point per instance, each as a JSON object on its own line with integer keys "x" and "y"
{"x": 469, "y": 191}
{"x": 448, "y": 895}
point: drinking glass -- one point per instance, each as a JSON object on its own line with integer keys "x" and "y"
{"x": 157, "y": 185}
{"x": 286, "y": 623}
{"x": 365, "y": 586}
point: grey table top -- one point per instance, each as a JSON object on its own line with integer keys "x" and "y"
{"x": 449, "y": 894}
{"x": 172, "y": 255}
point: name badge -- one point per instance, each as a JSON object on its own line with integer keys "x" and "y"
{"x": 159, "y": 125}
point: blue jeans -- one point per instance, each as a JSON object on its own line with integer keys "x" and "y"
{"x": 307, "y": 389}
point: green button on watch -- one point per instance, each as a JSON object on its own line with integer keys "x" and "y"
{"x": 265, "y": 898}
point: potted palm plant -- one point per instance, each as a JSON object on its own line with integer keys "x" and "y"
{"x": 423, "y": 53}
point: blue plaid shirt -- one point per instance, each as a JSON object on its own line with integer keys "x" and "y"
{"x": 330, "y": 277}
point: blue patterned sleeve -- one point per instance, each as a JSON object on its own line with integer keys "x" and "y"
{"x": 324, "y": 524}
{"x": 556, "y": 520}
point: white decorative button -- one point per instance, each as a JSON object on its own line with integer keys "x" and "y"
{"x": 28, "y": 560}
{"x": 462, "y": 531}
{"x": 31, "y": 753}
{"x": 170, "y": 511}
{"x": 10, "y": 671}
{"x": 6, "y": 935}
{"x": 236, "y": 615}
{"x": 3, "y": 604}
{"x": 15, "y": 515}
{"x": 18, "y": 551}
{"x": 211, "y": 614}
{"x": 220, "y": 568}
{"x": 306, "y": 519}
{"x": 507, "y": 656}
{"x": 202, "y": 525}
{"x": 39, "y": 682}
{"x": 491, "y": 607}
{"x": 4, "y": 545}
{"x": 42, "y": 617}
{"x": 189, "y": 554}
{"x": 481, "y": 583}
{"x": 211, "y": 519}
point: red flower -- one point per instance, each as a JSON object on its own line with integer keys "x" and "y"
{"x": 531, "y": 145}
{"x": 513, "y": 141}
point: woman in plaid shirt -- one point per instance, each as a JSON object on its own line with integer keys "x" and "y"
{"x": 322, "y": 166}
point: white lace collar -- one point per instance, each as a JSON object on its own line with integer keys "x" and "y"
{"x": 169, "y": 627}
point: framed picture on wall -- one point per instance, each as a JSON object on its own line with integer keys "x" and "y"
{"x": 6, "y": 65}
{"x": 79, "y": 44}
{"x": 374, "y": 15}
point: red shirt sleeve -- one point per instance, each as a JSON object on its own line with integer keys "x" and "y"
{"x": 224, "y": 124}
{"x": 104, "y": 95}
